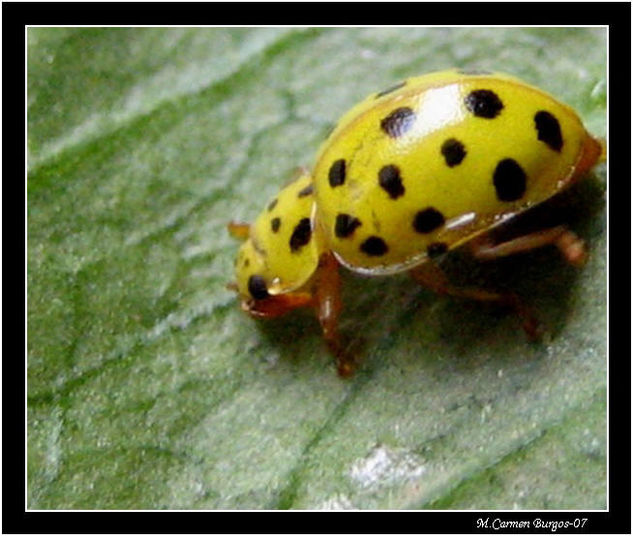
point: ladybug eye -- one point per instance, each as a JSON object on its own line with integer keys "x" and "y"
{"x": 257, "y": 287}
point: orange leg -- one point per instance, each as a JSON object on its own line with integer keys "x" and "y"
{"x": 592, "y": 152}
{"x": 433, "y": 277}
{"x": 328, "y": 306}
{"x": 274, "y": 306}
{"x": 238, "y": 230}
{"x": 326, "y": 300}
{"x": 572, "y": 247}
{"x": 603, "y": 150}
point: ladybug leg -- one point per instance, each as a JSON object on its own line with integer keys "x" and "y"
{"x": 328, "y": 307}
{"x": 603, "y": 150}
{"x": 569, "y": 244}
{"x": 326, "y": 300}
{"x": 238, "y": 230}
{"x": 431, "y": 276}
{"x": 274, "y": 306}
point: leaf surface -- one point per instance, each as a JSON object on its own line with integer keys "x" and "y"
{"x": 147, "y": 386}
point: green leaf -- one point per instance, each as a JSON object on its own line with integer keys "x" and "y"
{"x": 147, "y": 386}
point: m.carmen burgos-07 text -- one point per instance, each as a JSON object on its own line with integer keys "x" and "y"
{"x": 536, "y": 523}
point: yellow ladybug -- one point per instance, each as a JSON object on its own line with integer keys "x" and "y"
{"x": 430, "y": 164}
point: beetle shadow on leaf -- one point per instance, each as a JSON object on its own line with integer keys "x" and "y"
{"x": 295, "y": 335}
{"x": 542, "y": 279}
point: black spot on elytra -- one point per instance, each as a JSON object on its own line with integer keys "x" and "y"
{"x": 548, "y": 129}
{"x": 390, "y": 181}
{"x": 257, "y": 287}
{"x": 390, "y": 89}
{"x": 301, "y": 235}
{"x": 509, "y": 180}
{"x": 483, "y": 103}
{"x": 427, "y": 220}
{"x": 374, "y": 246}
{"x": 453, "y": 152}
{"x": 274, "y": 224}
{"x": 306, "y": 191}
{"x": 336, "y": 174}
{"x": 345, "y": 225}
{"x": 436, "y": 249}
{"x": 272, "y": 205}
{"x": 398, "y": 122}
